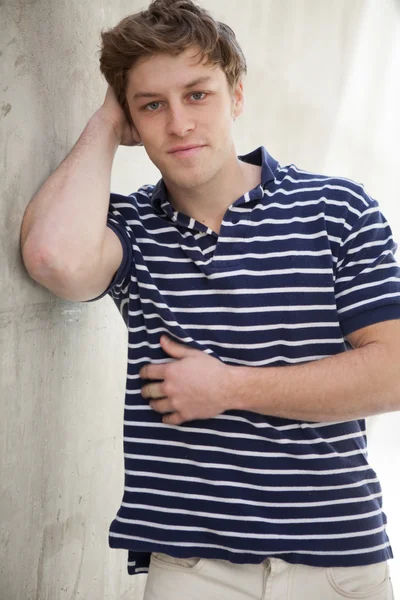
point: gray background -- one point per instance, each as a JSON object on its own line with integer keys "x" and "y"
{"x": 323, "y": 92}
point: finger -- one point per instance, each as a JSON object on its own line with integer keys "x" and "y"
{"x": 161, "y": 406}
{"x": 153, "y": 390}
{"x": 153, "y": 371}
{"x": 173, "y": 419}
{"x": 175, "y": 349}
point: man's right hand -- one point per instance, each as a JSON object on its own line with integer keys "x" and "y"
{"x": 112, "y": 111}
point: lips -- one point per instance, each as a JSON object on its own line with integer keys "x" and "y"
{"x": 183, "y": 148}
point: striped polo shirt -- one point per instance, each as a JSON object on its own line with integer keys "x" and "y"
{"x": 301, "y": 261}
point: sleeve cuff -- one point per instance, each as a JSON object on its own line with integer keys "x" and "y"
{"x": 125, "y": 263}
{"x": 376, "y": 315}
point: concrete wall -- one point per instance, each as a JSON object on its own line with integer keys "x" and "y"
{"x": 323, "y": 91}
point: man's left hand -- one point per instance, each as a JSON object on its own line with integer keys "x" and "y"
{"x": 194, "y": 386}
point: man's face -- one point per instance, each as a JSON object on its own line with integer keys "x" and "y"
{"x": 177, "y": 114}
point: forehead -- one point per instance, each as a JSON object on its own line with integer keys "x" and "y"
{"x": 161, "y": 71}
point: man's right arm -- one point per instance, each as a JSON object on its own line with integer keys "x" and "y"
{"x": 66, "y": 245}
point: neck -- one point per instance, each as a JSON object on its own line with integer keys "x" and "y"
{"x": 208, "y": 203}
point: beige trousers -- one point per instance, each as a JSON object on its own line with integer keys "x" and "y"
{"x": 274, "y": 579}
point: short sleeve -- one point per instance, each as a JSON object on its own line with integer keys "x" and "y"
{"x": 118, "y": 288}
{"x": 367, "y": 284}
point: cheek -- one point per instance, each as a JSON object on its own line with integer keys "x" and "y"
{"x": 153, "y": 130}
{"x": 222, "y": 117}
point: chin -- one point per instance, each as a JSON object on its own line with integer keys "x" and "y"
{"x": 190, "y": 180}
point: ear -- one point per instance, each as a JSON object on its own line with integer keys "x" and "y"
{"x": 238, "y": 100}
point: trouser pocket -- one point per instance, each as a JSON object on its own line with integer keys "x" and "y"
{"x": 371, "y": 582}
{"x": 365, "y": 582}
{"x": 171, "y": 562}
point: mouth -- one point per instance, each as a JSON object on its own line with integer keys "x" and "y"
{"x": 188, "y": 152}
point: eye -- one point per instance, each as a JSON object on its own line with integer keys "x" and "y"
{"x": 201, "y": 94}
{"x": 146, "y": 107}
{"x": 151, "y": 104}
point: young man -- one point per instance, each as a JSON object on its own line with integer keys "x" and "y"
{"x": 262, "y": 304}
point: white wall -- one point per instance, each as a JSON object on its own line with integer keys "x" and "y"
{"x": 323, "y": 91}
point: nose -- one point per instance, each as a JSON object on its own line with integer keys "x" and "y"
{"x": 179, "y": 121}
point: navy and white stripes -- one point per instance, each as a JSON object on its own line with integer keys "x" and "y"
{"x": 301, "y": 261}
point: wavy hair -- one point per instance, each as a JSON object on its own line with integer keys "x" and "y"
{"x": 169, "y": 26}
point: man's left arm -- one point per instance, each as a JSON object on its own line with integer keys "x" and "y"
{"x": 362, "y": 382}
{"x": 356, "y": 384}
{"x": 351, "y": 385}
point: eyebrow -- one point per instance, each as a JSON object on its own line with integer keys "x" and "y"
{"x": 203, "y": 79}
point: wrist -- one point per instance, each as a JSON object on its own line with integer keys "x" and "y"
{"x": 236, "y": 378}
{"x": 102, "y": 119}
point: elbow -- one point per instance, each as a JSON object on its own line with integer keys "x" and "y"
{"x": 39, "y": 262}
{"x": 34, "y": 260}
{"x": 50, "y": 272}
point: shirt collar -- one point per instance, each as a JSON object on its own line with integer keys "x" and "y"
{"x": 258, "y": 157}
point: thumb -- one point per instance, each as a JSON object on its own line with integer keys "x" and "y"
{"x": 173, "y": 348}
